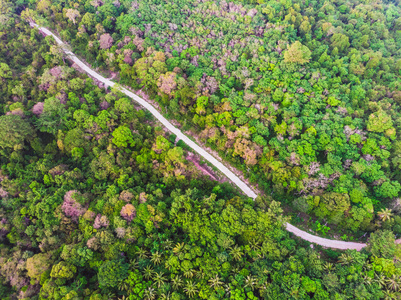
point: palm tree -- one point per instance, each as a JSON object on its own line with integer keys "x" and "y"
{"x": 189, "y": 273}
{"x": 177, "y": 282}
{"x": 235, "y": 270}
{"x": 328, "y": 266}
{"x": 148, "y": 272}
{"x": 380, "y": 280}
{"x": 367, "y": 266}
{"x": 133, "y": 263}
{"x": 295, "y": 294}
{"x": 142, "y": 253}
{"x": 149, "y": 293}
{"x": 250, "y": 282}
{"x": 254, "y": 244}
{"x": 385, "y": 214}
{"x": 368, "y": 280}
{"x": 111, "y": 296}
{"x": 200, "y": 274}
{"x": 190, "y": 289}
{"x": 178, "y": 248}
{"x": 227, "y": 289}
{"x": 215, "y": 282}
{"x": 394, "y": 282}
{"x": 165, "y": 296}
{"x": 345, "y": 259}
{"x": 156, "y": 258}
{"x": 167, "y": 244}
{"x": 159, "y": 279}
{"x": 123, "y": 285}
{"x": 389, "y": 295}
{"x": 258, "y": 256}
{"x": 236, "y": 252}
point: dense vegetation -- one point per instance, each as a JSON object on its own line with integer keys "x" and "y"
{"x": 302, "y": 96}
{"x": 98, "y": 202}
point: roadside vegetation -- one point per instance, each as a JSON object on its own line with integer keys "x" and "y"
{"x": 98, "y": 202}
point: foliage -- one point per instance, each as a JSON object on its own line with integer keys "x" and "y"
{"x": 301, "y": 96}
{"x": 97, "y": 202}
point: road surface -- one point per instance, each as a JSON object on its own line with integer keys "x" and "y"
{"x": 234, "y": 178}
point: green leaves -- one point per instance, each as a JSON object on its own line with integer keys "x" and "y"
{"x": 122, "y": 137}
{"x": 111, "y": 273}
{"x": 14, "y": 131}
{"x": 380, "y": 122}
{"x": 297, "y": 53}
{"x": 54, "y": 116}
{"x": 63, "y": 270}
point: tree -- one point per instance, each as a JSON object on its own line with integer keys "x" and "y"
{"x": 5, "y": 71}
{"x": 53, "y": 116}
{"x": 340, "y": 41}
{"x": 89, "y": 21}
{"x": 297, "y": 53}
{"x": 63, "y": 270}
{"x": 122, "y": 137}
{"x": 72, "y": 14}
{"x": 37, "y": 265}
{"x": 106, "y": 41}
{"x": 389, "y": 189}
{"x": 333, "y": 205}
{"x": 385, "y": 214}
{"x": 379, "y": 122}
{"x": 215, "y": 282}
{"x": 14, "y": 131}
{"x": 167, "y": 83}
{"x": 111, "y": 273}
{"x": 190, "y": 289}
{"x": 128, "y": 212}
{"x": 382, "y": 244}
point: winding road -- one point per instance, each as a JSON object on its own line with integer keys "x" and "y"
{"x": 234, "y": 178}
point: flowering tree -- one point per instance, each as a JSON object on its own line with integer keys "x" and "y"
{"x": 128, "y": 212}
{"x": 71, "y": 207}
{"x": 72, "y": 14}
{"x": 167, "y": 83}
{"x": 106, "y": 41}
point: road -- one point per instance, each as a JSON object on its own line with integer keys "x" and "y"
{"x": 234, "y": 178}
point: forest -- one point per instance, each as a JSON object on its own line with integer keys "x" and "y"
{"x": 98, "y": 201}
{"x": 301, "y": 96}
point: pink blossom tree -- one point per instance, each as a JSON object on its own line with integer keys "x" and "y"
{"x": 37, "y": 109}
{"x": 167, "y": 83}
{"x": 101, "y": 221}
{"x": 128, "y": 212}
{"x": 71, "y": 207}
{"x": 106, "y": 41}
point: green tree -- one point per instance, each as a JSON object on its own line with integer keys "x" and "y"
{"x": 63, "y": 270}
{"x": 14, "y": 131}
{"x": 122, "y": 137}
{"x": 382, "y": 244}
{"x": 54, "y": 116}
{"x": 379, "y": 122}
{"x": 37, "y": 265}
{"x": 111, "y": 273}
{"x": 297, "y": 53}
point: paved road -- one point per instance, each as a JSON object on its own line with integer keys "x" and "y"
{"x": 322, "y": 241}
{"x": 234, "y": 178}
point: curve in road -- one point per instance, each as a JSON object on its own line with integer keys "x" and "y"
{"x": 234, "y": 178}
